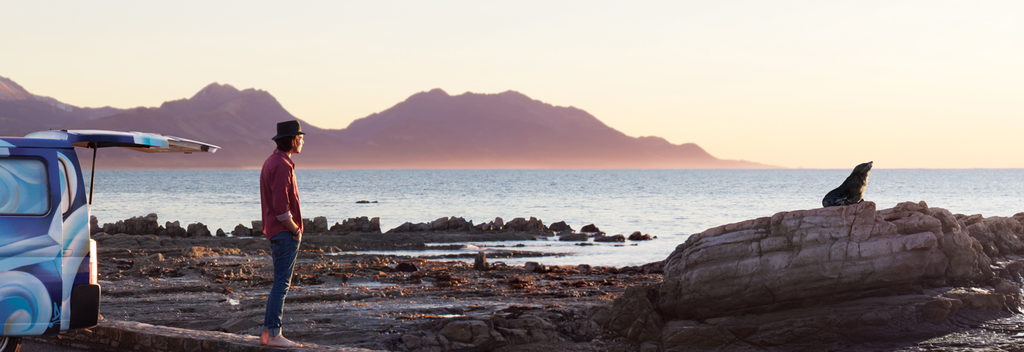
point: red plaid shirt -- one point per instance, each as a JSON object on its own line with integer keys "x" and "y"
{"x": 279, "y": 195}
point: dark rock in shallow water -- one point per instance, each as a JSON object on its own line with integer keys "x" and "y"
{"x": 560, "y": 226}
{"x": 137, "y": 225}
{"x": 174, "y": 229}
{"x": 637, "y": 236}
{"x": 616, "y": 238}
{"x": 517, "y": 224}
{"x": 590, "y": 228}
{"x": 220, "y": 233}
{"x": 521, "y": 224}
{"x": 439, "y": 224}
{"x": 360, "y": 224}
{"x": 319, "y": 225}
{"x": 404, "y": 227}
{"x": 821, "y": 277}
{"x": 573, "y": 237}
{"x": 241, "y": 231}
{"x": 459, "y": 224}
{"x": 197, "y": 230}
{"x": 94, "y": 225}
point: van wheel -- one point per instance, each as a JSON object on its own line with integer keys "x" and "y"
{"x": 10, "y": 343}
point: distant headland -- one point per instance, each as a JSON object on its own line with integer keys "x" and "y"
{"x": 429, "y": 130}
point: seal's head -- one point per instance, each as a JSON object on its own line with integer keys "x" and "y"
{"x": 861, "y": 171}
{"x": 865, "y": 167}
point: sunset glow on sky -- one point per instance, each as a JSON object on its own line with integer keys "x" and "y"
{"x": 813, "y": 84}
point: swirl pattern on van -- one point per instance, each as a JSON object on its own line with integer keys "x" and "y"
{"x": 24, "y": 302}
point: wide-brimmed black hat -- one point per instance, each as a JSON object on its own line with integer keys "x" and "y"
{"x": 287, "y": 129}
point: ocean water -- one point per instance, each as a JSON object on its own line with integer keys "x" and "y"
{"x": 670, "y": 204}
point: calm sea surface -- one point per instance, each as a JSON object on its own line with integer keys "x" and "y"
{"x": 670, "y": 204}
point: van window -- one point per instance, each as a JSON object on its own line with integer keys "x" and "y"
{"x": 65, "y": 188}
{"x": 23, "y": 187}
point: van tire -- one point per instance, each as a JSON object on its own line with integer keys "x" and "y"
{"x": 10, "y": 343}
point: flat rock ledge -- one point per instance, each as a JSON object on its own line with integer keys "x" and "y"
{"x": 839, "y": 277}
{"x": 134, "y": 336}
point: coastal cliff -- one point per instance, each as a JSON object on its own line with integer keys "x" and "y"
{"x": 832, "y": 276}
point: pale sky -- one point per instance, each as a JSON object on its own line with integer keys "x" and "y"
{"x": 813, "y": 84}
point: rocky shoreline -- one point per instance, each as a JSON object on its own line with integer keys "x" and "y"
{"x": 194, "y": 280}
{"x": 910, "y": 278}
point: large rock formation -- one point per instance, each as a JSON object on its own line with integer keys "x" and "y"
{"x": 824, "y": 276}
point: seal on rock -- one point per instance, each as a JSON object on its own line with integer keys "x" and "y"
{"x": 852, "y": 190}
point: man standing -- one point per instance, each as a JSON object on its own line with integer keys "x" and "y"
{"x": 282, "y": 224}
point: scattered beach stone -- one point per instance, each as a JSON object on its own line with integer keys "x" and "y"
{"x": 534, "y": 267}
{"x": 519, "y": 283}
{"x": 153, "y": 258}
{"x": 590, "y": 229}
{"x": 406, "y": 267}
{"x": 480, "y": 262}
{"x": 220, "y": 233}
{"x": 197, "y": 252}
{"x": 446, "y": 279}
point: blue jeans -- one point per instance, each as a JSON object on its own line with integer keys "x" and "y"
{"x": 284, "y": 250}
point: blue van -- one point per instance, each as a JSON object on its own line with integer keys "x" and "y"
{"x": 48, "y": 277}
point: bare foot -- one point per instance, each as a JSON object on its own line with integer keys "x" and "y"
{"x": 263, "y": 337}
{"x": 280, "y": 341}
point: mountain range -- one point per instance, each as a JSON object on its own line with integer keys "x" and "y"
{"x": 429, "y": 130}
